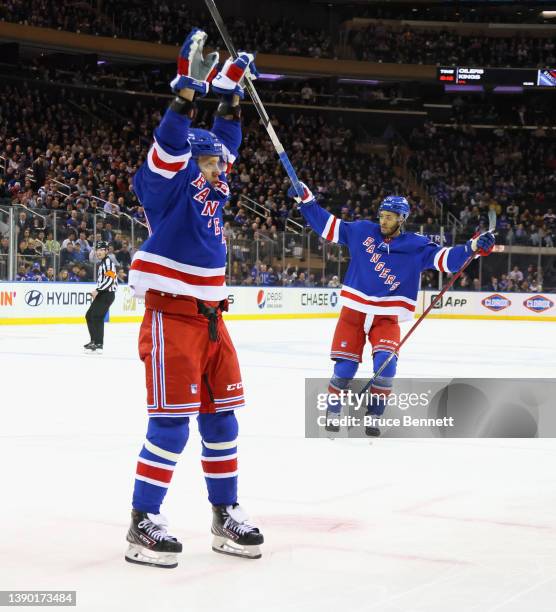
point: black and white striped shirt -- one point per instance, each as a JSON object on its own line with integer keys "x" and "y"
{"x": 106, "y": 275}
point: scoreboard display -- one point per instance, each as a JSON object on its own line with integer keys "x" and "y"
{"x": 517, "y": 77}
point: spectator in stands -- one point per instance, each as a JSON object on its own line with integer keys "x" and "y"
{"x": 300, "y": 281}
{"x": 25, "y": 249}
{"x": 4, "y": 227}
{"x": 67, "y": 254}
{"x": 266, "y": 276}
{"x": 73, "y": 276}
{"x": 516, "y": 275}
{"x": 464, "y": 282}
{"x": 78, "y": 255}
{"x": 513, "y": 211}
{"x": 535, "y": 286}
{"x": 23, "y": 222}
{"x": 83, "y": 243}
{"x": 121, "y": 276}
{"x": 520, "y": 235}
{"x": 123, "y": 256}
{"x": 69, "y": 240}
{"x": 112, "y": 255}
{"x": 504, "y": 283}
{"x": 307, "y": 94}
{"x": 22, "y": 272}
{"x": 35, "y": 273}
{"x": 107, "y": 233}
{"x": 112, "y": 208}
{"x": 139, "y": 214}
{"x": 51, "y": 246}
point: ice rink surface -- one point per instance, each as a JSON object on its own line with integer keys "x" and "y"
{"x": 396, "y": 525}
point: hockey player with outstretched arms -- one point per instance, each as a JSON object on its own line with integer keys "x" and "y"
{"x": 190, "y": 362}
{"x": 379, "y": 289}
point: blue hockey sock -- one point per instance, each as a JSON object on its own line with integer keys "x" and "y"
{"x": 382, "y": 385}
{"x": 166, "y": 439}
{"x": 344, "y": 371}
{"x": 219, "y": 456}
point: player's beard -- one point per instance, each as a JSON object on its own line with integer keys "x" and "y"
{"x": 392, "y": 232}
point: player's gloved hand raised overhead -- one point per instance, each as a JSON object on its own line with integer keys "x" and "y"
{"x": 481, "y": 244}
{"x": 308, "y": 197}
{"x": 229, "y": 80}
{"x": 194, "y": 70}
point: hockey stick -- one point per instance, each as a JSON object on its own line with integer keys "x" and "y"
{"x": 434, "y": 301}
{"x": 284, "y": 159}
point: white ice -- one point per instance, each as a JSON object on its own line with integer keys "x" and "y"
{"x": 412, "y": 525}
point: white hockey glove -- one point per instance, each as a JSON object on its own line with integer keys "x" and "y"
{"x": 229, "y": 80}
{"x": 195, "y": 71}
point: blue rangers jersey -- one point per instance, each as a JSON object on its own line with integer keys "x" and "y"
{"x": 383, "y": 275}
{"x": 185, "y": 253}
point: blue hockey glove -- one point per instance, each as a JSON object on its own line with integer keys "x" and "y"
{"x": 194, "y": 70}
{"x": 229, "y": 80}
{"x": 308, "y": 197}
{"x": 481, "y": 244}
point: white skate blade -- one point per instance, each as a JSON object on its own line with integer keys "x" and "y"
{"x": 225, "y": 546}
{"x": 144, "y": 556}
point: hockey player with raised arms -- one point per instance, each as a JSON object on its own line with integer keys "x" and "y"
{"x": 190, "y": 362}
{"x": 380, "y": 287}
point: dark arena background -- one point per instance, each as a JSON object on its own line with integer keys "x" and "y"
{"x": 450, "y": 105}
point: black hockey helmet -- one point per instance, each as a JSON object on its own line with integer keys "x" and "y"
{"x": 101, "y": 244}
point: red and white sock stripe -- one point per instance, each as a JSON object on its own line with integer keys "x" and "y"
{"x": 153, "y": 472}
{"x": 381, "y": 390}
{"x": 220, "y": 467}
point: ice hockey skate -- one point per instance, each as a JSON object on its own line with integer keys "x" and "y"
{"x": 233, "y": 534}
{"x": 149, "y": 541}
{"x": 332, "y": 421}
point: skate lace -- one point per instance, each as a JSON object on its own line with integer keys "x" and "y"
{"x": 239, "y": 528}
{"x": 156, "y": 532}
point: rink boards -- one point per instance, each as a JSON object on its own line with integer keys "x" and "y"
{"x": 44, "y": 303}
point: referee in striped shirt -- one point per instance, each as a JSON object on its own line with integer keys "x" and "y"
{"x": 103, "y": 296}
